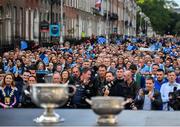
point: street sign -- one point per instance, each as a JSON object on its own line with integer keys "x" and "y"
{"x": 44, "y": 26}
{"x": 55, "y": 30}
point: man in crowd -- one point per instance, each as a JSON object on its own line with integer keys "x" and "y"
{"x": 112, "y": 88}
{"x": 26, "y": 95}
{"x": 85, "y": 89}
{"x": 100, "y": 79}
{"x": 168, "y": 87}
{"x": 129, "y": 89}
{"x": 137, "y": 76}
{"x": 56, "y": 78}
{"x": 75, "y": 77}
{"x": 160, "y": 79}
{"x": 148, "y": 98}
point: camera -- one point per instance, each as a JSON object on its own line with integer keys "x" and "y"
{"x": 174, "y": 99}
{"x": 145, "y": 91}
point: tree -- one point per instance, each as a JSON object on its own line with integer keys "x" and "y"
{"x": 159, "y": 12}
{"x": 177, "y": 28}
{"x": 174, "y": 18}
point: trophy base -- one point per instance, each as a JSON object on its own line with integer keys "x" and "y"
{"x": 107, "y": 120}
{"x": 49, "y": 116}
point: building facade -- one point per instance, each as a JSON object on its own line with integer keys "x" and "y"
{"x": 21, "y": 19}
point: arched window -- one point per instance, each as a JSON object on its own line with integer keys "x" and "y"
{"x": 27, "y": 24}
{"x": 35, "y": 24}
{"x": 21, "y": 22}
{"x": 1, "y": 25}
{"x": 14, "y": 20}
{"x": 1, "y": 12}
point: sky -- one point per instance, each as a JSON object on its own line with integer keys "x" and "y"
{"x": 177, "y": 1}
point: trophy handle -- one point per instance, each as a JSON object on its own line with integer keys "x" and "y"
{"x": 73, "y": 91}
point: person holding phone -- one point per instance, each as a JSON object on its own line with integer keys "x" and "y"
{"x": 148, "y": 98}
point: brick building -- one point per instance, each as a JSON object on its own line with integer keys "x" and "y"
{"x": 21, "y": 19}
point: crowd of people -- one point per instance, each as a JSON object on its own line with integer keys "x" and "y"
{"x": 147, "y": 79}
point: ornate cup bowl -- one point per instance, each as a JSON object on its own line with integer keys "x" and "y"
{"x": 107, "y": 108}
{"x": 50, "y": 96}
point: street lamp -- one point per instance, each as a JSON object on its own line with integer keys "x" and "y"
{"x": 62, "y": 24}
{"x": 52, "y": 2}
{"x": 106, "y": 22}
{"x": 147, "y": 20}
{"x": 140, "y": 23}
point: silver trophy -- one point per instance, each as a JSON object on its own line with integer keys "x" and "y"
{"x": 50, "y": 96}
{"x": 107, "y": 108}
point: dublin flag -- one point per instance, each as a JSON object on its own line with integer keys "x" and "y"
{"x": 98, "y": 4}
{"x": 24, "y": 45}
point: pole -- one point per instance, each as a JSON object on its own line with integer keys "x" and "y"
{"x": 124, "y": 17}
{"x": 140, "y": 25}
{"x": 107, "y": 25}
{"x": 51, "y": 17}
{"x": 62, "y": 26}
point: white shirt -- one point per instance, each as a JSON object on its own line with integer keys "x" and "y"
{"x": 166, "y": 88}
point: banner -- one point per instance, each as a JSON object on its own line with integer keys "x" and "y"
{"x": 44, "y": 26}
{"x": 55, "y": 30}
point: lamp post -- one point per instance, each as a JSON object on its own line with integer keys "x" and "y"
{"x": 62, "y": 24}
{"x": 51, "y": 11}
{"x": 107, "y": 25}
{"x": 146, "y": 19}
{"x": 124, "y": 12}
{"x": 52, "y": 2}
{"x": 142, "y": 16}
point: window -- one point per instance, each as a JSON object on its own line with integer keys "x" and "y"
{"x": 35, "y": 25}
{"x": 1, "y": 12}
{"x": 75, "y": 3}
{"x": 14, "y": 20}
{"x": 42, "y": 1}
{"x": 72, "y": 3}
{"x": 56, "y": 17}
{"x": 21, "y": 22}
{"x": 48, "y": 16}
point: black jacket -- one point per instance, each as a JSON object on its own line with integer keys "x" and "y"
{"x": 155, "y": 104}
{"x": 131, "y": 90}
{"x": 99, "y": 85}
{"x": 82, "y": 92}
{"x": 115, "y": 89}
{"x": 26, "y": 101}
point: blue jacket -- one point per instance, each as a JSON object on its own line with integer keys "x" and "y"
{"x": 157, "y": 84}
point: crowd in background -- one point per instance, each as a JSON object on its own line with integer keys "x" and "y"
{"x": 145, "y": 73}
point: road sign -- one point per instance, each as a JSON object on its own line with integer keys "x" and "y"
{"x": 44, "y": 26}
{"x": 55, "y": 30}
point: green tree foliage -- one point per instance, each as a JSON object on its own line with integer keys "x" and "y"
{"x": 175, "y": 18}
{"x": 177, "y": 28}
{"x": 160, "y": 14}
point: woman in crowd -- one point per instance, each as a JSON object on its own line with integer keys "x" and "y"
{"x": 8, "y": 92}
{"x": 18, "y": 68}
{"x": 9, "y": 67}
{"x": 65, "y": 77}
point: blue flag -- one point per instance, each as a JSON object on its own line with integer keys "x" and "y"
{"x": 101, "y": 40}
{"x": 130, "y": 47}
{"x": 24, "y": 45}
{"x": 134, "y": 40}
{"x": 44, "y": 58}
